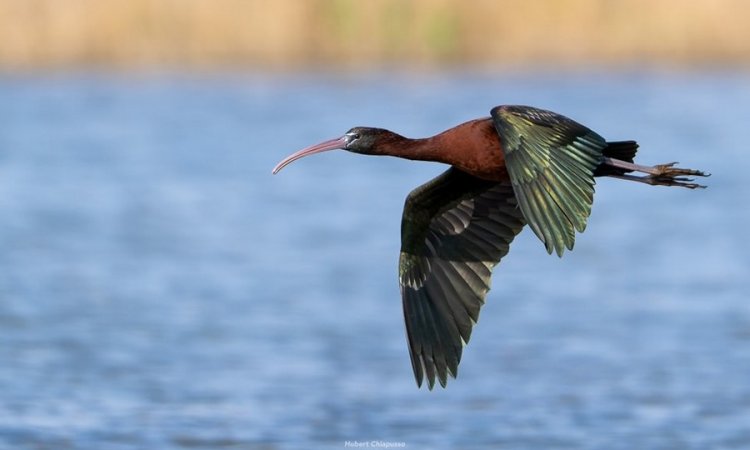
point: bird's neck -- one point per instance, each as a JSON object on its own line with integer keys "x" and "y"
{"x": 424, "y": 149}
{"x": 472, "y": 147}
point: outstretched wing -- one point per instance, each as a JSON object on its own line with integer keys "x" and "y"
{"x": 454, "y": 230}
{"x": 551, "y": 162}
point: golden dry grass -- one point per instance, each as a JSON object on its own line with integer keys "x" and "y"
{"x": 363, "y": 33}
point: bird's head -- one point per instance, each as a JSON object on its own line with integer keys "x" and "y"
{"x": 362, "y": 140}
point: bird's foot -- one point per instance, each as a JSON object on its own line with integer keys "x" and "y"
{"x": 658, "y": 175}
{"x": 669, "y": 175}
{"x": 670, "y": 170}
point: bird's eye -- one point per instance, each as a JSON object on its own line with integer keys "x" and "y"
{"x": 352, "y": 136}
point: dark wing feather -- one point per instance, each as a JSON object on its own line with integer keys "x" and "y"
{"x": 454, "y": 230}
{"x": 551, "y": 162}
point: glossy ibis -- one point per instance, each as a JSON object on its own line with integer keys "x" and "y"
{"x": 522, "y": 165}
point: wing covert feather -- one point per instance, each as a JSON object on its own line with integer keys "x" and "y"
{"x": 551, "y": 162}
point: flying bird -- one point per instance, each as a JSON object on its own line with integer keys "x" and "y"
{"x": 520, "y": 166}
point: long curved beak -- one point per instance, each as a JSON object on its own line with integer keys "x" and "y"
{"x": 332, "y": 144}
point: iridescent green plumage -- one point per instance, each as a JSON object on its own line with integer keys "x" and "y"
{"x": 551, "y": 161}
{"x": 457, "y": 227}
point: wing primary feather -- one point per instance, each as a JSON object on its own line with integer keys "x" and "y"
{"x": 455, "y": 229}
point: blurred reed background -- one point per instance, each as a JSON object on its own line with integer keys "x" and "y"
{"x": 287, "y": 34}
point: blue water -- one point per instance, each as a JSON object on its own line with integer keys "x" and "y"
{"x": 160, "y": 289}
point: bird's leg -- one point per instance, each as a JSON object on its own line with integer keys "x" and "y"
{"x": 658, "y": 175}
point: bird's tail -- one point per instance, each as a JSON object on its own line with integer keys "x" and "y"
{"x": 622, "y": 150}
